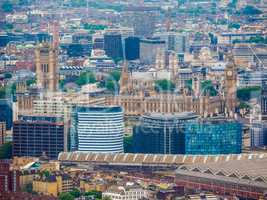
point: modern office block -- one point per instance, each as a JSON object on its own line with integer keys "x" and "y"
{"x": 132, "y": 48}
{"x": 213, "y": 136}
{"x": 6, "y": 113}
{"x": 258, "y": 134}
{"x": 113, "y": 45}
{"x": 97, "y": 129}
{"x": 161, "y": 133}
{"x": 149, "y": 48}
{"x": 35, "y": 136}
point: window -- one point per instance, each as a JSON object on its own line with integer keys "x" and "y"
{"x": 45, "y": 68}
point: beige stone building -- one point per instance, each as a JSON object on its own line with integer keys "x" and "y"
{"x": 167, "y": 103}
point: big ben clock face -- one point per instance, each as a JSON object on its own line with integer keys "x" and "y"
{"x": 229, "y": 73}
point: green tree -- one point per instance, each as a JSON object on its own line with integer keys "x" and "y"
{"x": 250, "y": 10}
{"x": 8, "y": 75}
{"x": 106, "y": 198}
{"x": 6, "y": 151}
{"x": 96, "y": 194}
{"x": 75, "y": 192}
{"x": 66, "y": 196}
{"x": 164, "y": 85}
{"x": 234, "y": 25}
{"x": 257, "y": 39}
{"x": 111, "y": 85}
{"x": 86, "y": 78}
{"x": 208, "y": 88}
{"x": 30, "y": 82}
{"x": 116, "y": 75}
{"x": 188, "y": 84}
{"x": 28, "y": 188}
{"x": 247, "y": 93}
{"x": 7, "y": 6}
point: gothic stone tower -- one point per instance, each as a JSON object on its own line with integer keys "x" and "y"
{"x": 46, "y": 67}
{"x": 124, "y": 80}
{"x": 230, "y": 85}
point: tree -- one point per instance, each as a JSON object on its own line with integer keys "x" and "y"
{"x": 6, "y": 151}
{"x": 116, "y": 75}
{"x": 234, "y": 25}
{"x": 66, "y": 196}
{"x": 250, "y": 10}
{"x": 208, "y": 88}
{"x": 7, "y": 6}
{"x": 106, "y": 198}
{"x": 257, "y": 39}
{"x": 86, "y": 78}
{"x": 75, "y": 192}
{"x": 164, "y": 85}
{"x": 96, "y": 194}
{"x": 28, "y": 188}
{"x": 247, "y": 93}
{"x": 30, "y": 82}
{"x": 8, "y": 75}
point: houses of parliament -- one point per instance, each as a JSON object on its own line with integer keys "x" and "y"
{"x": 136, "y": 96}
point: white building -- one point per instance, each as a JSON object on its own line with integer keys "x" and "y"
{"x": 128, "y": 192}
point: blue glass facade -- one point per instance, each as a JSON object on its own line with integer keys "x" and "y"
{"x": 6, "y": 113}
{"x": 213, "y": 137}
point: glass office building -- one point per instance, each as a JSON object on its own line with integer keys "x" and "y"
{"x": 161, "y": 133}
{"x": 97, "y": 129}
{"x": 213, "y": 136}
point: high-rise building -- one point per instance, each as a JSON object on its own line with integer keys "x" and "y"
{"x": 38, "y": 135}
{"x": 174, "y": 41}
{"x": 6, "y": 113}
{"x": 149, "y": 49}
{"x": 144, "y": 24}
{"x": 213, "y": 136}
{"x": 97, "y": 129}
{"x": 46, "y": 67}
{"x": 113, "y": 45}
{"x": 132, "y": 48}
{"x": 263, "y": 100}
{"x": 2, "y": 132}
{"x": 258, "y": 134}
{"x": 161, "y": 133}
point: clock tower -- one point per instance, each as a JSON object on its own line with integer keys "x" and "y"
{"x": 230, "y": 85}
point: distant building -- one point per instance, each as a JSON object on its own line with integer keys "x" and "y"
{"x": 113, "y": 45}
{"x": 213, "y": 136}
{"x": 98, "y": 43}
{"x": 127, "y": 192}
{"x": 149, "y": 49}
{"x": 258, "y": 134}
{"x": 9, "y": 179}
{"x": 144, "y": 24}
{"x": 132, "y": 48}
{"x": 6, "y": 113}
{"x": 38, "y": 135}
{"x": 251, "y": 78}
{"x": 97, "y": 129}
{"x": 161, "y": 133}
{"x": 174, "y": 41}
{"x": 53, "y": 184}
{"x": 263, "y": 100}
{"x": 2, "y": 132}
